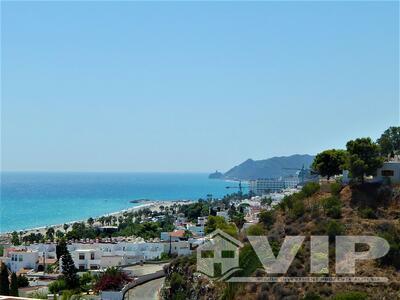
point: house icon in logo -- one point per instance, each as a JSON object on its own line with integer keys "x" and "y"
{"x": 218, "y": 257}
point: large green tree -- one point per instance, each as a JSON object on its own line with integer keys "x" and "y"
{"x": 15, "y": 239}
{"x": 61, "y": 248}
{"x": 14, "y": 285}
{"x": 364, "y": 158}
{"x": 329, "y": 162}
{"x": 4, "y": 283}
{"x": 69, "y": 271}
{"x": 390, "y": 141}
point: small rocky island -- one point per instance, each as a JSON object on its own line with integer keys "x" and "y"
{"x": 216, "y": 175}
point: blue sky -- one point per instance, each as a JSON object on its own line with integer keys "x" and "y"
{"x": 173, "y": 86}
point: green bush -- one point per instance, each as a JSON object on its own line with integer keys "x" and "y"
{"x": 57, "y": 286}
{"x": 310, "y": 188}
{"x": 330, "y": 202}
{"x": 334, "y": 212}
{"x": 22, "y": 281}
{"x": 332, "y": 206}
{"x": 392, "y": 235}
{"x": 38, "y": 295}
{"x": 256, "y": 229}
{"x": 350, "y": 296}
{"x": 267, "y": 218}
{"x": 311, "y": 296}
{"x": 367, "y": 213}
{"x": 286, "y": 203}
{"x": 336, "y": 187}
{"x": 298, "y": 208}
{"x": 334, "y": 228}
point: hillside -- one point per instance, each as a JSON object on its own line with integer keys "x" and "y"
{"x": 269, "y": 168}
{"x": 354, "y": 210}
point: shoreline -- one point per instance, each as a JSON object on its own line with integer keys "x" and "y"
{"x": 153, "y": 205}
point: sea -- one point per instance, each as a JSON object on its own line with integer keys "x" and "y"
{"x": 37, "y": 199}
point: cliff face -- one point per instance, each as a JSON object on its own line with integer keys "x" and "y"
{"x": 269, "y": 168}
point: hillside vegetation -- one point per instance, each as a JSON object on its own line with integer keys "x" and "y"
{"x": 359, "y": 209}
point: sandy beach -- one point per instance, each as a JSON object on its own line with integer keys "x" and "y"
{"x": 153, "y": 205}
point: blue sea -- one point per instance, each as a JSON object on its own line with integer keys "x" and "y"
{"x": 30, "y": 200}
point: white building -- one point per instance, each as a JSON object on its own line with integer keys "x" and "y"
{"x": 223, "y": 214}
{"x": 86, "y": 259}
{"x": 17, "y": 259}
{"x": 389, "y": 170}
{"x": 264, "y": 186}
{"x": 179, "y": 248}
{"x": 93, "y": 256}
{"x": 202, "y": 220}
{"x": 196, "y": 229}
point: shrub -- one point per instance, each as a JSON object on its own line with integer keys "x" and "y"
{"x": 392, "y": 235}
{"x": 22, "y": 281}
{"x": 336, "y": 187}
{"x": 367, "y": 213}
{"x": 57, "y": 286}
{"x": 310, "y": 188}
{"x": 334, "y": 212}
{"x": 332, "y": 206}
{"x": 256, "y": 229}
{"x": 311, "y": 296}
{"x": 298, "y": 208}
{"x": 112, "y": 280}
{"x": 286, "y": 203}
{"x": 266, "y": 217}
{"x": 177, "y": 282}
{"x": 38, "y": 295}
{"x": 334, "y": 228}
{"x": 350, "y": 296}
{"x": 330, "y": 202}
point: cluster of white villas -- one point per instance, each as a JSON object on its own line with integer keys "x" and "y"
{"x": 94, "y": 255}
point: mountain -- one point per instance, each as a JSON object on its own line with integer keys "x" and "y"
{"x": 269, "y": 168}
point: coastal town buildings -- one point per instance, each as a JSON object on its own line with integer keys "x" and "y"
{"x": 17, "y": 259}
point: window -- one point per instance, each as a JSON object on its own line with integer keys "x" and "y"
{"x": 387, "y": 173}
{"x": 92, "y": 256}
{"x": 20, "y": 258}
{"x": 81, "y": 267}
{"x": 81, "y": 256}
{"x": 207, "y": 254}
{"x": 227, "y": 254}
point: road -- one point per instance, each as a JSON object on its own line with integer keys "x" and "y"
{"x": 145, "y": 269}
{"x": 146, "y": 291}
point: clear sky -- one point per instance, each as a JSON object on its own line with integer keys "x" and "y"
{"x": 125, "y": 86}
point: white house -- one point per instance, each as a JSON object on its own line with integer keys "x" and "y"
{"x": 223, "y": 214}
{"x": 179, "y": 248}
{"x": 87, "y": 259}
{"x": 196, "y": 229}
{"x": 202, "y": 220}
{"x": 17, "y": 259}
{"x": 390, "y": 170}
